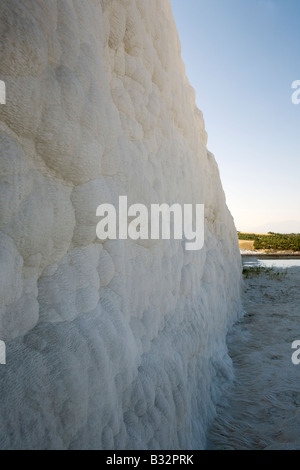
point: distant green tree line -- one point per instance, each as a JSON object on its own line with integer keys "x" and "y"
{"x": 273, "y": 241}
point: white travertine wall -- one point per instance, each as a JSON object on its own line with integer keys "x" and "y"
{"x": 115, "y": 345}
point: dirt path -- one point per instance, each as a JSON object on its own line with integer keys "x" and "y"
{"x": 261, "y": 409}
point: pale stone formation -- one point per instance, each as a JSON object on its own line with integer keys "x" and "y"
{"x": 115, "y": 345}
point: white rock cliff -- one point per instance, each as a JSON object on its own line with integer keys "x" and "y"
{"x": 121, "y": 344}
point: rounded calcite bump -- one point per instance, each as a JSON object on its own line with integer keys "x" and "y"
{"x": 117, "y": 19}
{"x": 71, "y": 93}
{"x": 87, "y": 299}
{"x": 23, "y": 108}
{"x": 20, "y": 34}
{"x": 57, "y": 295}
{"x": 11, "y": 264}
{"x": 119, "y": 66}
{"x": 15, "y": 179}
{"x": 63, "y": 225}
{"x": 68, "y": 33}
{"x": 122, "y": 98}
{"x": 106, "y": 268}
{"x": 112, "y": 162}
{"x": 13, "y": 158}
{"x": 85, "y": 199}
{"x": 20, "y": 317}
{"x": 134, "y": 35}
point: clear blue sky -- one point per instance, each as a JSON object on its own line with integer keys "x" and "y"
{"x": 241, "y": 57}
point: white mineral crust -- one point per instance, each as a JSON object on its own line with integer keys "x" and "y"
{"x": 121, "y": 344}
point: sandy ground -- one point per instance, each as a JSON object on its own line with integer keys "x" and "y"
{"x": 261, "y": 409}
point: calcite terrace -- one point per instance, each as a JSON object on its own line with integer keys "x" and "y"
{"x": 117, "y": 344}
